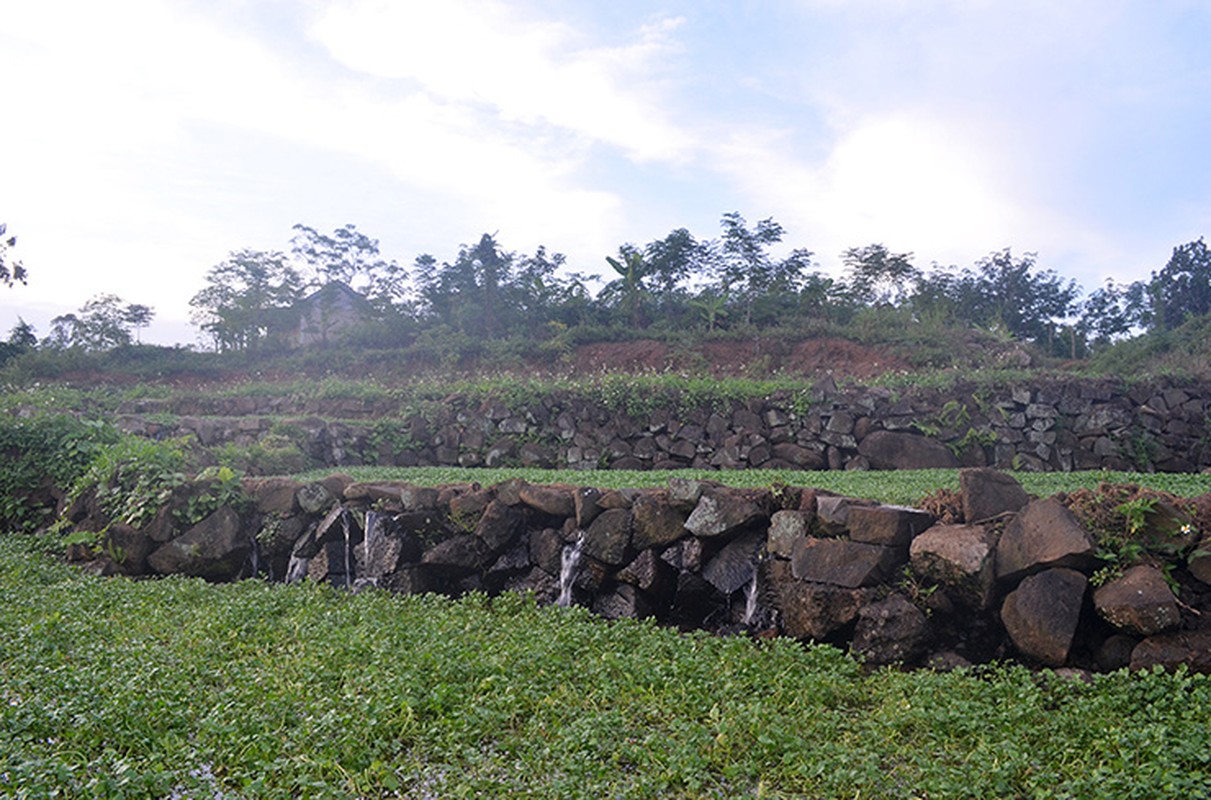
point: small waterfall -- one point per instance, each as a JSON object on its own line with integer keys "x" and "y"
{"x": 372, "y": 526}
{"x": 297, "y": 569}
{"x": 348, "y": 550}
{"x": 750, "y": 599}
{"x": 569, "y": 569}
{"x": 254, "y": 557}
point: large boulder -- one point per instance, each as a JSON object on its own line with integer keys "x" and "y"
{"x": 498, "y": 525}
{"x": 608, "y": 538}
{"x": 658, "y": 520}
{"x": 891, "y": 631}
{"x": 735, "y": 565}
{"x": 844, "y": 563}
{"x": 646, "y": 571}
{"x": 1171, "y": 650}
{"x": 1043, "y": 535}
{"x": 786, "y": 528}
{"x": 1138, "y": 602}
{"x": 1041, "y": 615}
{"x": 961, "y": 557}
{"x": 988, "y": 493}
{"x": 723, "y": 511}
{"x": 889, "y": 526}
{"x": 553, "y": 501}
{"x": 815, "y": 610}
{"x": 893, "y": 450}
{"x": 272, "y": 495}
{"x": 215, "y": 549}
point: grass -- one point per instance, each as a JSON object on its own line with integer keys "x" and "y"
{"x": 176, "y": 688}
{"x": 904, "y": 487}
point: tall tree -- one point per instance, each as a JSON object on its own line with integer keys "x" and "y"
{"x": 351, "y": 257}
{"x": 1111, "y": 312}
{"x": 1026, "y": 301}
{"x": 11, "y": 271}
{"x": 877, "y": 275}
{"x": 102, "y": 323}
{"x": 246, "y": 296}
{"x": 1182, "y": 288}
{"x": 757, "y": 280}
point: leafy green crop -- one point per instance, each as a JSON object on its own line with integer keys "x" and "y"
{"x": 893, "y": 486}
{"x": 42, "y": 454}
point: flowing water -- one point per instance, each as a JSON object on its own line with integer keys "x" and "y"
{"x": 297, "y": 569}
{"x": 569, "y": 569}
{"x": 750, "y": 599}
{"x": 348, "y": 550}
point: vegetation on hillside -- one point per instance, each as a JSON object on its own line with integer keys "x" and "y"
{"x": 489, "y": 304}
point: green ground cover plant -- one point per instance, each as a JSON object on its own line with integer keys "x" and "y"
{"x": 905, "y": 487}
{"x": 177, "y": 688}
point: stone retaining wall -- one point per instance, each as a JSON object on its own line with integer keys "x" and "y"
{"x": 1058, "y": 425}
{"x": 1009, "y": 576}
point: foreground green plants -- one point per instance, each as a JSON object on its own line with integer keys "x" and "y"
{"x": 177, "y": 688}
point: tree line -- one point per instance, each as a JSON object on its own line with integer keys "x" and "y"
{"x": 679, "y": 282}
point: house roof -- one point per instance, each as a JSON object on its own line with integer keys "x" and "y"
{"x": 333, "y": 289}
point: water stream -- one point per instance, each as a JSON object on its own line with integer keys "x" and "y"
{"x": 750, "y": 599}
{"x": 569, "y": 569}
{"x": 297, "y": 569}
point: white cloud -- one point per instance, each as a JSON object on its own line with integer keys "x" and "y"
{"x": 533, "y": 72}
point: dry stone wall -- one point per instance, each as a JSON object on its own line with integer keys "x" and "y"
{"x": 893, "y": 585}
{"x": 1046, "y": 426}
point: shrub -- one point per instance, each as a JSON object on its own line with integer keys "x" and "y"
{"x": 42, "y": 457}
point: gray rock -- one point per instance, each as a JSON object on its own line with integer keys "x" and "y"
{"x": 549, "y": 500}
{"x": 844, "y": 563}
{"x": 733, "y": 566}
{"x": 658, "y": 520}
{"x": 684, "y": 555}
{"x": 814, "y": 610}
{"x": 624, "y": 601}
{"x": 1138, "y": 602}
{"x": 832, "y": 512}
{"x": 215, "y": 549}
{"x": 785, "y": 528}
{"x": 989, "y": 492}
{"x": 417, "y": 498}
{"x": 1171, "y": 650}
{"x": 462, "y": 554}
{"x": 720, "y": 512}
{"x": 608, "y": 538}
{"x": 890, "y": 450}
{"x": 314, "y": 498}
{"x": 889, "y": 526}
{"x": 891, "y": 631}
{"x": 273, "y": 495}
{"x": 962, "y": 557}
{"x": 1041, "y": 615}
{"x": 647, "y": 571}
{"x": 1045, "y": 534}
{"x": 498, "y": 525}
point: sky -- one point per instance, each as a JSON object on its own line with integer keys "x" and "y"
{"x": 143, "y": 140}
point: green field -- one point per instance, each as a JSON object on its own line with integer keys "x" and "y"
{"x": 899, "y": 486}
{"x": 175, "y": 688}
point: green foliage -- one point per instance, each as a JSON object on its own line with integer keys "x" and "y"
{"x": 11, "y": 270}
{"x": 222, "y": 488}
{"x": 271, "y": 454}
{"x": 1182, "y": 289}
{"x": 133, "y": 478}
{"x": 42, "y": 454}
{"x": 179, "y": 688}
